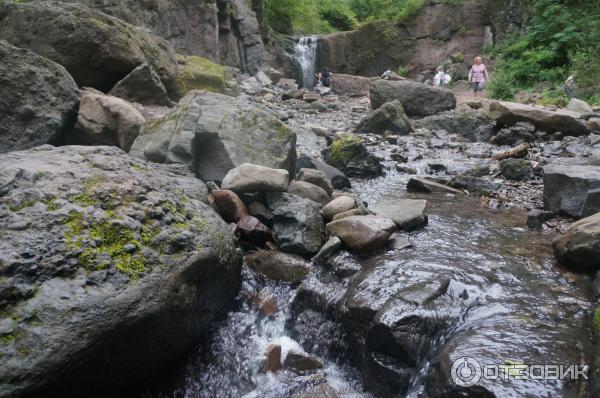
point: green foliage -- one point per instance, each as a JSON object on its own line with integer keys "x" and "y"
{"x": 402, "y": 71}
{"x": 563, "y": 38}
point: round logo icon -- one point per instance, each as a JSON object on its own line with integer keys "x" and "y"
{"x": 466, "y": 372}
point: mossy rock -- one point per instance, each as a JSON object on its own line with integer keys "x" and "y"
{"x": 349, "y": 154}
{"x": 197, "y": 73}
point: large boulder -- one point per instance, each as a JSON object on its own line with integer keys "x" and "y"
{"x": 297, "y": 223}
{"x": 389, "y": 117}
{"x": 197, "y": 73}
{"x": 417, "y": 99}
{"x": 510, "y": 113}
{"x": 249, "y": 178}
{"x": 142, "y": 85}
{"x": 105, "y": 120}
{"x": 349, "y": 154}
{"x": 105, "y": 259}
{"x": 98, "y": 50}
{"x": 577, "y": 105}
{"x": 38, "y": 99}
{"x": 349, "y": 85}
{"x": 213, "y": 133}
{"x": 579, "y": 247}
{"x": 472, "y": 124}
{"x": 364, "y": 234}
{"x": 572, "y": 190}
{"x": 406, "y": 213}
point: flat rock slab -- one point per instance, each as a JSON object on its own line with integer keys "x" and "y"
{"x": 510, "y": 113}
{"x": 572, "y": 190}
{"x": 249, "y": 178}
{"x": 419, "y": 184}
{"x": 406, "y": 213}
{"x": 363, "y": 233}
{"x": 417, "y": 99}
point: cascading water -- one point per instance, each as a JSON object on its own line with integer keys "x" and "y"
{"x": 305, "y": 54}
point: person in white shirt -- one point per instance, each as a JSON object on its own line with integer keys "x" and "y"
{"x": 438, "y": 80}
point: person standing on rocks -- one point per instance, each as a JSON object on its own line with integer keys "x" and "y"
{"x": 569, "y": 83}
{"x": 325, "y": 77}
{"x": 478, "y": 76}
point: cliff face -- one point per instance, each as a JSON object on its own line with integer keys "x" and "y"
{"x": 424, "y": 41}
{"x": 224, "y": 31}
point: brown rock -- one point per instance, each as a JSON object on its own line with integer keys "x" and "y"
{"x": 230, "y": 205}
{"x": 363, "y": 233}
{"x": 351, "y": 86}
{"x": 309, "y": 191}
{"x": 278, "y": 266}
{"x": 338, "y": 205}
{"x": 273, "y": 354}
{"x": 302, "y": 362}
{"x": 594, "y": 124}
{"x": 253, "y": 230}
{"x": 266, "y": 302}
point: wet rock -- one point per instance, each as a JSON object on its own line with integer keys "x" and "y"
{"x": 389, "y": 117}
{"x": 465, "y": 122}
{"x": 93, "y": 284}
{"x": 101, "y": 49}
{"x": 405, "y": 169}
{"x": 577, "y": 105}
{"x": 399, "y": 244}
{"x": 406, "y": 213}
{"x": 301, "y": 362}
{"x": 230, "y": 205}
{"x": 349, "y": 154}
{"x": 266, "y": 303}
{"x": 278, "y": 266}
{"x": 419, "y": 184}
{"x": 316, "y": 177}
{"x": 143, "y": 86}
{"x": 536, "y": 218}
{"x": 249, "y": 178}
{"x": 297, "y": 223}
{"x": 364, "y": 234}
{"x": 338, "y": 205}
{"x": 509, "y": 114}
{"x": 336, "y": 177}
{"x": 105, "y": 120}
{"x": 516, "y": 169}
{"x": 416, "y": 98}
{"x": 260, "y": 211}
{"x": 253, "y": 230}
{"x": 514, "y": 135}
{"x": 474, "y": 184}
{"x": 204, "y": 133}
{"x": 273, "y": 358}
{"x": 579, "y": 247}
{"x": 572, "y": 190}
{"x": 309, "y": 191}
{"x": 349, "y": 85}
{"x": 333, "y": 245}
{"x": 38, "y": 100}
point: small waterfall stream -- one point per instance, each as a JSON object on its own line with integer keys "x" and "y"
{"x": 305, "y": 53}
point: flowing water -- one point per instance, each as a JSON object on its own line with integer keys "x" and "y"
{"x": 505, "y": 303}
{"x": 305, "y": 53}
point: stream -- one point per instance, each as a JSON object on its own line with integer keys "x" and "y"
{"x": 505, "y": 303}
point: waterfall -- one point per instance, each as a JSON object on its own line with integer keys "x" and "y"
{"x": 306, "y": 55}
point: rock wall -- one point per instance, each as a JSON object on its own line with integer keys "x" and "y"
{"x": 224, "y": 31}
{"x": 422, "y": 42}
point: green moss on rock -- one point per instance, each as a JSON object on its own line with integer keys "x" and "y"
{"x": 344, "y": 148}
{"x": 197, "y": 73}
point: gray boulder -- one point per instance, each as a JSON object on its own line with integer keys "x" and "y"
{"x": 515, "y": 135}
{"x": 365, "y": 234}
{"x": 516, "y": 169}
{"x": 279, "y": 266}
{"x": 316, "y": 177}
{"x": 474, "y": 184}
{"x": 38, "y": 99}
{"x": 471, "y": 124}
{"x": 98, "y": 50}
{"x": 249, "y": 178}
{"x": 389, "y": 117}
{"x": 417, "y": 99}
{"x": 349, "y": 154}
{"x": 105, "y": 120}
{"x": 336, "y": 177}
{"x": 310, "y": 191}
{"x": 406, "y": 213}
{"x": 127, "y": 247}
{"x": 297, "y": 223}
{"x": 214, "y": 133}
{"x": 142, "y": 85}
{"x": 579, "y": 247}
{"x": 577, "y": 105}
{"x": 572, "y": 190}
{"x": 567, "y": 122}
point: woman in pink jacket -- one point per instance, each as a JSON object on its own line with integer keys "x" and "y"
{"x": 478, "y": 76}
